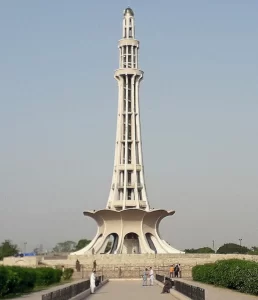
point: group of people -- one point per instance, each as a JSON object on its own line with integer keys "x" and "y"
{"x": 94, "y": 281}
{"x": 148, "y": 274}
{"x": 175, "y": 271}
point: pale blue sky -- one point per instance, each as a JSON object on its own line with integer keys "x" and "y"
{"x": 198, "y": 106}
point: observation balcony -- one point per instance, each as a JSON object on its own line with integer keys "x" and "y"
{"x": 130, "y": 185}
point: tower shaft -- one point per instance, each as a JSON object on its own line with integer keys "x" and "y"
{"x": 127, "y": 220}
{"x": 128, "y": 184}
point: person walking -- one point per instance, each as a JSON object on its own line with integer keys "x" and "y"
{"x": 171, "y": 271}
{"x": 151, "y": 275}
{"x": 144, "y": 277}
{"x": 93, "y": 281}
{"x": 179, "y": 271}
{"x": 78, "y": 266}
{"x": 176, "y": 270}
{"x": 95, "y": 265}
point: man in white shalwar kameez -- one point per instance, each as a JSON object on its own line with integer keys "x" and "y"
{"x": 151, "y": 274}
{"x": 93, "y": 281}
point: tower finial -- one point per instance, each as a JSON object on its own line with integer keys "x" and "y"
{"x": 128, "y": 24}
{"x": 128, "y": 11}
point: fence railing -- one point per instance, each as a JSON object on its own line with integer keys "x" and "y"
{"x": 162, "y": 279}
{"x": 70, "y": 291}
{"x": 193, "y": 292}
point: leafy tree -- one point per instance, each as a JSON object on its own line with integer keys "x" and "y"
{"x": 192, "y": 250}
{"x": 205, "y": 250}
{"x": 67, "y": 246}
{"x": 7, "y": 248}
{"x": 253, "y": 251}
{"x": 232, "y": 248}
{"x": 82, "y": 243}
{"x": 200, "y": 250}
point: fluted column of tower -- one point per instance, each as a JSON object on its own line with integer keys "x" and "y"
{"x": 128, "y": 184}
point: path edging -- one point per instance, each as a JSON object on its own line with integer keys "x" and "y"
{"x": 87, "y": 293}
{"x": 173, "y": 292}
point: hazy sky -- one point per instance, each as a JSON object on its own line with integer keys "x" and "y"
{"x": 199, "y": 110}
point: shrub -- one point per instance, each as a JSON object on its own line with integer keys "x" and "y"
{"x": 232, "y": 248}
{"x": 236, "y": 274}
{"x": 68, "y": 273}
{"x": 17, "y": 280}
{"x": 47, "y": 276}
{"x": 3, "y": 281}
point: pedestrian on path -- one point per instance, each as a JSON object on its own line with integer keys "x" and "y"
{"x": 151, "y": 275}
{"x": 93, "y": 281}
{"x": 95, "y": 265}
{"x": 144, "y": 277}
{"x": 171, "y": 271}
{"x": 176, "y": 270}
{"x": 78, "y": 266}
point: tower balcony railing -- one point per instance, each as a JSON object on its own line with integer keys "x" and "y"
{"x": 130, "y": 185}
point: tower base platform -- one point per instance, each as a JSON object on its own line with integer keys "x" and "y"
{"x": 129, "y": 231}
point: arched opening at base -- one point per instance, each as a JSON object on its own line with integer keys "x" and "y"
{"x": 150, "y": 242}
{"x": 154, "y": 243}
{"x": 131, "y": 244}
{"x": 112, "y": 243}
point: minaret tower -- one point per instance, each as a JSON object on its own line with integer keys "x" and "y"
{"x": 128, "y": 185}
{"x": 127, "y": 221}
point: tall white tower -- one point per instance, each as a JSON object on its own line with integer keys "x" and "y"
{"x": 127, "y": 220}
{"x": 128, "y": 184}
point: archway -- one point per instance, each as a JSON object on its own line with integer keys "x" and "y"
{"x": 131, "y": 244}
{"x": 150, "y": 242}
{"x": 111, "y": 245}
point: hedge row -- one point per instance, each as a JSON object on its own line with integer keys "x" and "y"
{"x": 236, "y": 274}
{"x": 16, "y": 280}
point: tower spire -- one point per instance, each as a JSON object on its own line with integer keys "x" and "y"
{"x": 128, "y": 183}
{"x": 128, "y": 23}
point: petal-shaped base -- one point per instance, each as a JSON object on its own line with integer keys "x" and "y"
{"x": 133, "y": 231}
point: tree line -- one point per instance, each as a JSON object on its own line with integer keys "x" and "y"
{"x": 7, "y": 248}
{"x": 228, "y": 248}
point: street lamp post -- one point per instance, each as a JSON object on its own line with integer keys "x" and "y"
{"x": 25, "y": 243}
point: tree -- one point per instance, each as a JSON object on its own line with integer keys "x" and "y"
{"x": 200, "y": 250}
{"x": 205, "y": 250}
{"x": 253, "y": 251}
{"x": 67, "y": 246}
{"x": 192, "y": 250}
{"x": 81, "y": 244}
{"x": 7, "y": 248}
{"x": 231, "y": 248}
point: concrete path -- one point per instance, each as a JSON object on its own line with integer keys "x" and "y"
{"x": 129, "y": 290}
{"x": 216, "y": 293}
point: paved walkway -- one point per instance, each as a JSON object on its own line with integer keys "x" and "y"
{"x": 130, "y": 290}
{"x": 216, "y": 293}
